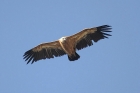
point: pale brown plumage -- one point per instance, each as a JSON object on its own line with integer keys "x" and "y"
{"x": 67, "y": 45}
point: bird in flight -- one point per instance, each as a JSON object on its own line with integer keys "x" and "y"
{"x": 67, "y": 45}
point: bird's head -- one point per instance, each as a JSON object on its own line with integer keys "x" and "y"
{"x": 63, "y": 39}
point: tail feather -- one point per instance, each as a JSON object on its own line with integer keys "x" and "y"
{"x": 74, "y": 57}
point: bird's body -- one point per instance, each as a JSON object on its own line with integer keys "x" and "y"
{"x": 69, "y": 48}
{"x": 67, "y": 45}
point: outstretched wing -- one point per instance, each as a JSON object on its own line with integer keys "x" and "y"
{"x": 43, "y": 51}
{"x": 84, "y": 38}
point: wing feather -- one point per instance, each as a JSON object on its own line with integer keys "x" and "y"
{"x": 43, "y": 51}
{"x": 84, "y": 38}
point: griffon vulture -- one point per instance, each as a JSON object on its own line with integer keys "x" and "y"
{"x": 67, "y": 45}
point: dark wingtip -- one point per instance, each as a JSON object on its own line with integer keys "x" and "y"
{"x": 102, "y": 32}
{"x": 104, "y": 28}
{"x": 28, "y": 56}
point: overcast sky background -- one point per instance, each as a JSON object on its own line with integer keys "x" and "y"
{"x": 109, "y": 66}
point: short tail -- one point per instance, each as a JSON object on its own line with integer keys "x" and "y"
{"x": 74, "y": 57}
